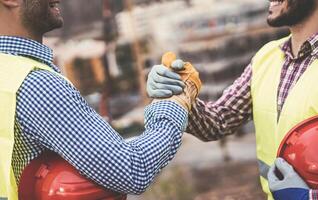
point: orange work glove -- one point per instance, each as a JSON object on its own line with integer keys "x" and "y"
{"x": 189, "y": 75}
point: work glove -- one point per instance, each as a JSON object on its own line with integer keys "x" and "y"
{"x": 285, "y": 183}
{"x": 164, "y": 81}
{"x": 188, "y": 75}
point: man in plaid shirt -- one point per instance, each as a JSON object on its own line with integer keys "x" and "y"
{"x": 214, "y": 120}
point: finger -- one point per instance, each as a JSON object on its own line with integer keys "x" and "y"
{"x": 160, "y": 94}
{"x": 177, "y": 65}
{"x": 164, "y": 71}
{"x": 173, "y": 88}
{"x": 154, "y": 89}
{"x": 283, "y": 166}
{"x": 273, "y": 180}
{"x": 167, "y": 81}
{"x": 271, "y": 175}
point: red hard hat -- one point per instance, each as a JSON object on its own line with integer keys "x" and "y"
{"x": 299, "y": 148}
{"x": 49, "y": 177}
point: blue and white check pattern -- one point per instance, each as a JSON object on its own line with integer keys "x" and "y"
{"x": 51, "y": 114}
{"x": 28, "y": 48}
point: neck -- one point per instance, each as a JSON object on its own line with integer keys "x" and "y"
{"x": 301, "y": 32}
{"x": 15, "y": 28}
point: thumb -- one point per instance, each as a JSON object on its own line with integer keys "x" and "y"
{"x": 271, "y": 175}
{"x": 283, "y": 166}
{"x": 177, "y": 65}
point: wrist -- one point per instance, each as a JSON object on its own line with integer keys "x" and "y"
{"x": 180, "y": 99}
{"x": 291, "y": 194}
{"x": 160, "y": 110}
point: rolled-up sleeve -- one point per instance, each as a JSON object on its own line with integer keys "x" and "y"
{"x": 214, "y": 120}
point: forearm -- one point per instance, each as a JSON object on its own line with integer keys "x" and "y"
{"x": 65, "y": 124}
{"x": 159, "y": 143}
{"x": 131, "y": 167}
{"x": 214, "y": 120}
{"x": 102, "y": 155}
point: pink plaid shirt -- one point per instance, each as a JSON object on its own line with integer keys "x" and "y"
{"x": 214, "y": 120}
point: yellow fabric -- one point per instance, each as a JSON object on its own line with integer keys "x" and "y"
{"x": 301, "y": 103}
{"x": 13, "y": 70}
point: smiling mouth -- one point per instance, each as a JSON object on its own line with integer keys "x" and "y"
{"x": 276, "y": 2}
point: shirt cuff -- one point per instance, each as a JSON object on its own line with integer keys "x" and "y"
{"x": 195, "y": 116}
{"x": 166, "y": 109}
{"x": 313, "y": 194}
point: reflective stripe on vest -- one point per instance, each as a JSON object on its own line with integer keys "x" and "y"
{"x": 263, "y": 168}
{"x": 13, "y": 70}
{"x": 300, "y": 104}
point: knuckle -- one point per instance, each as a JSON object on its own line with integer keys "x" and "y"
{"x": 162, "y": 70}
{"x": 150, "y": 93}
{"x": 155, "y": 77}
{"x": 177, "y": 82}
{"x": 151, "y": 74}
{"x": 159, "y": 79}
{"x": 179, "y": 89}
{"x": 160, "y": 86}
{"x": 150, "y": 81}
{"x": 155, "y": 69}
{"x": 165, "y": 72}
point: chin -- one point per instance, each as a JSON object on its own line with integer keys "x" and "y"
{"x": 55, "y": 24}
{"x": 59, "y": 23}
{"x": 277, "y": 21}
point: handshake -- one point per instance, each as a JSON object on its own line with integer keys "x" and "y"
{"x": 174, "y": 80}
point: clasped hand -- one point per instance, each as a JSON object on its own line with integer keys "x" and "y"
{"x": 288, "y": 187}
{"x": 174, "y": 80}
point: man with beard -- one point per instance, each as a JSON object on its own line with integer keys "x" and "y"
{"x": 277, "y": 89}
{"x": 41, "y": 111}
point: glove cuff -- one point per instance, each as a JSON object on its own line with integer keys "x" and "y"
{"x": 291, "y": 194}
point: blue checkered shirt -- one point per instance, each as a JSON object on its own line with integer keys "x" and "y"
{"x": 52, "y": 115}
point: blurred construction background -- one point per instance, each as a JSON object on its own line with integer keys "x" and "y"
{"x": 107, "y": 48}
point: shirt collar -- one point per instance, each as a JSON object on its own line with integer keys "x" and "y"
{"x": 314, "y": 44}
{"x": 28, "y": 48}
{"x": 309, "y": 47}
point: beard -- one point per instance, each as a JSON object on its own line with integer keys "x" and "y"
{"x": 297, "y": 11}
{"x": 38, "y": 18}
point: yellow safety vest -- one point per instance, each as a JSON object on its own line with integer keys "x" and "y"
{"x": 13, "y": 70}
{"x": 301, "y": 103}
